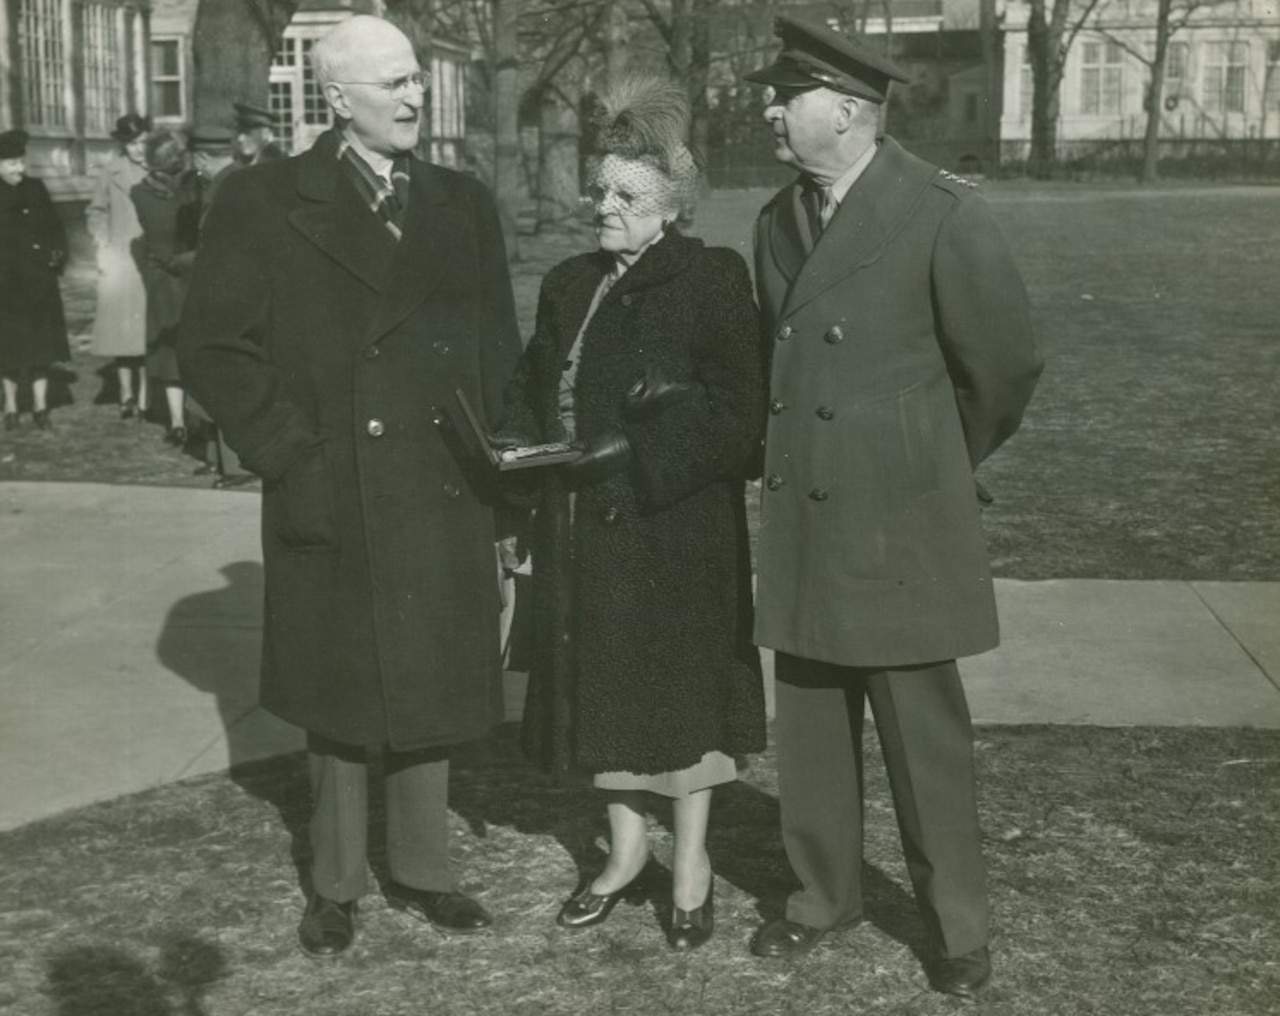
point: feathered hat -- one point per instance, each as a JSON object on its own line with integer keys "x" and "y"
{"x": 643, "y": 117}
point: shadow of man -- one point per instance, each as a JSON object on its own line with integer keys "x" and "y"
{"x": 92, "y": 980}
{"x": 213, "y": 640}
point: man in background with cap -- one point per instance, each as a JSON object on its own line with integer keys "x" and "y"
{"x": 901, "y": 357}
{"x": 212, "y": 161}
{"x": 255, "y": 140}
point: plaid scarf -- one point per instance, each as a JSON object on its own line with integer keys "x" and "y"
{"x": 387, "y": 201}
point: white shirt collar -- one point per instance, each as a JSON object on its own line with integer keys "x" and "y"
{"x": 850, "y": 176}
{"x": 380, "y": 164}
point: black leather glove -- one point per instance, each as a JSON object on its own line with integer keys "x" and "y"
{"x": 654, "y": 392}
{"x": 607, "y": 454}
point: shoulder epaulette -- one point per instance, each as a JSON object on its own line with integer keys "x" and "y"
{"x": 953, "y": 178}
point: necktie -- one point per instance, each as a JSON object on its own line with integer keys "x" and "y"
{"x": 827, "y": 207}
{"x": 399, "y": 204}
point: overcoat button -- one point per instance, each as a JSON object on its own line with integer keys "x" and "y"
{"x": 451, "y": 491}
{"x": 777, "y": 406}
{"x": 774, "y": 482}
{"x": 375, "y": 428}
{"x": 627, "y": 300}
{"x": 784, "y": 333}
{"x": 818, "y": 494}
{"x": 437, "y": 416}
{"x": 372, "y": 352}
{"x": 826, "y": 413}
{"x": 609, "y": 516}
{"x": 441, "y": 347}
{"x": 834, "y": 334}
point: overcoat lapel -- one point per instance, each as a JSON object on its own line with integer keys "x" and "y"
{"x": 334, "y": 219}
{"x": 877, "y": 206}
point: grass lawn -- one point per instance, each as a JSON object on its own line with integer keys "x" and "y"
{"x": 1132, "y": 872}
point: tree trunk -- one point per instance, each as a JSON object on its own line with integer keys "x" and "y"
{"x": 506, "y": 118}
{"x": 558, "y": 188}
{"x": 233, "y": 44}
{"x": 699, "y": 73}
{"x": 617, "y": 41}
{"x": 414, "y": 18}
{"x": 1155, "y": 97}
{"x": 992, "y": 97}
{"x": 1043, "y": 43}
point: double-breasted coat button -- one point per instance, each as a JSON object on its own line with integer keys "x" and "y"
{"x": 375, "y": 428}
{"x": 784, "y": 333}
{"x": 834, "y": 334}
{"x": 440, "y": 347}
{"x": 774, "y": 482}
{"x": 825, "y": 413}
{"x": 818, "y": 494}
{"x": 777, "y": 406}
{"x": 450, "y": 490}
{"x": 609, "y": 516}
{"x": 372, "y": 352}
{"x": 437, "y": 416}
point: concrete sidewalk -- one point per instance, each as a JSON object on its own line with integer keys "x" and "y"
{"x": 130, "y": 624}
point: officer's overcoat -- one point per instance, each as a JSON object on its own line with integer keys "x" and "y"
{"x": 329, "y": 354}
{"x": 902, "y": 356}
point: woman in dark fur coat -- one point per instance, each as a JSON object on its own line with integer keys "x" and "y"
{"x": 33, "y": 249}
{"x": 646, "y": 354}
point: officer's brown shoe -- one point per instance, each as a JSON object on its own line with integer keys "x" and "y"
{"x": 327, "y": 928}
{"x": 962, "y": 976}
{"x": 782, "y": 939}
{"x": 448, "y": 911}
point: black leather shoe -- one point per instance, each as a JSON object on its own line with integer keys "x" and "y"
{"x": 41, "y": 418}
{"x": 448, "y": 911}
{"x": 128, "y": 409}
{"x": 177, "y": 436}
{"x": 10, "y": 421}
{"x": 588, "y": 908}
{"x": 783, "y": 939}
{"x": 692, "y": 928}
{"x": 327, "y": 928}
{"x": 962, "y": 976}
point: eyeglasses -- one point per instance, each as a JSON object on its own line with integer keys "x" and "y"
{"x": 397, "y": 88}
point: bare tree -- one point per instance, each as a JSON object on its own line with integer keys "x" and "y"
{"x": 1171, "y": 17}
{"x": 1050, "y": 33}
{"x": 416, "y": 19}
{"x": 234, "y": 42}
{"x": 506, "y": 118}
{"x": 687, "y": 34}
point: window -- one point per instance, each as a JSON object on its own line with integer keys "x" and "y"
{"x": 42, "y": 41}
{"x": 1026, "y": 84}
{"x": 282, "y": 106}
{"x": 1101, "y": 78}
{"x": 1272, "y": 88}
{"x": 1176, "y": 61}
{"x": 168, "y": 95}
{"x": 104, "y": 95}
{"x": 1224, "y": 66}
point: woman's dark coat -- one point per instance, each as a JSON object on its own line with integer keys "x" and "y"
{"x": 329, "y": 354}
{"x": 642, "y": 660}
{"x": 165, "y": 212}
{"x": 33, "y": 248}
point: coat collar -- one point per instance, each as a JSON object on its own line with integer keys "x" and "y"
{"x": 402, "y": 272}
{"x": 876, "y": 207}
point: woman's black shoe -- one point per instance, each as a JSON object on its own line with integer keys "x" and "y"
{"x": 41, "y": 418}
{"x": 588, "y": 908}
{"x": 10, "y": 421}
{"x": 128, "y": 409}
{"x": 177, "y": 437}
{"x": 692, "y": 928}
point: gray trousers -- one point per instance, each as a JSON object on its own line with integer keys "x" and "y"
{"x": 927, "y": 740}
{"x": 417, "y": 795}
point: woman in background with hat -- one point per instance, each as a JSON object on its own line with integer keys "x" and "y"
{"x": 33, "y": 249}
{"x": 120, "y": 322}
{"x": 646, "y": 353}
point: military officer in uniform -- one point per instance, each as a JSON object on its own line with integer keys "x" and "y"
{"x": 255, "y": 134}
{"x": 901, "y": 357}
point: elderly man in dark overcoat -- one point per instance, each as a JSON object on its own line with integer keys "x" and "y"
{"x": 901, "y": 357}
{"x": 338, "y": 299}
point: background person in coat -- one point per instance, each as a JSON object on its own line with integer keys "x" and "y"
{"x": 646, "y": 351}
{"x": 902, "y": 356}
{"x": 33, "y": 249}
{"x": 166, "y": 204}
{"x": 255, "y": 139}
{"x": 120, "y": 317}
{"x": 337, "y": 300}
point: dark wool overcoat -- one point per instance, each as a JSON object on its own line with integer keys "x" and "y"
{"x": 33, "y": 248}
{"x": 329, "y": 354}
{"x": 642, "y": 658}
{"x": 167, "y": 216}
{"x": 902, "y": 356}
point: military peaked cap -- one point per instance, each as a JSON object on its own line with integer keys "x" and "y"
{"x": 211, "y": 138}
{"x": 814, "y": 55}
{"x": 248, "y": 116}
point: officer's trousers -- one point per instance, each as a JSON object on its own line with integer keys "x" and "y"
{"x": 927, "y": 740}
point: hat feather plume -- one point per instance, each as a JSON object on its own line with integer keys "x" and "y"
{"x": 642, "y": 115}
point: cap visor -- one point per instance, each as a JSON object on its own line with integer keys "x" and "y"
{"x": 785, "y": 75}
